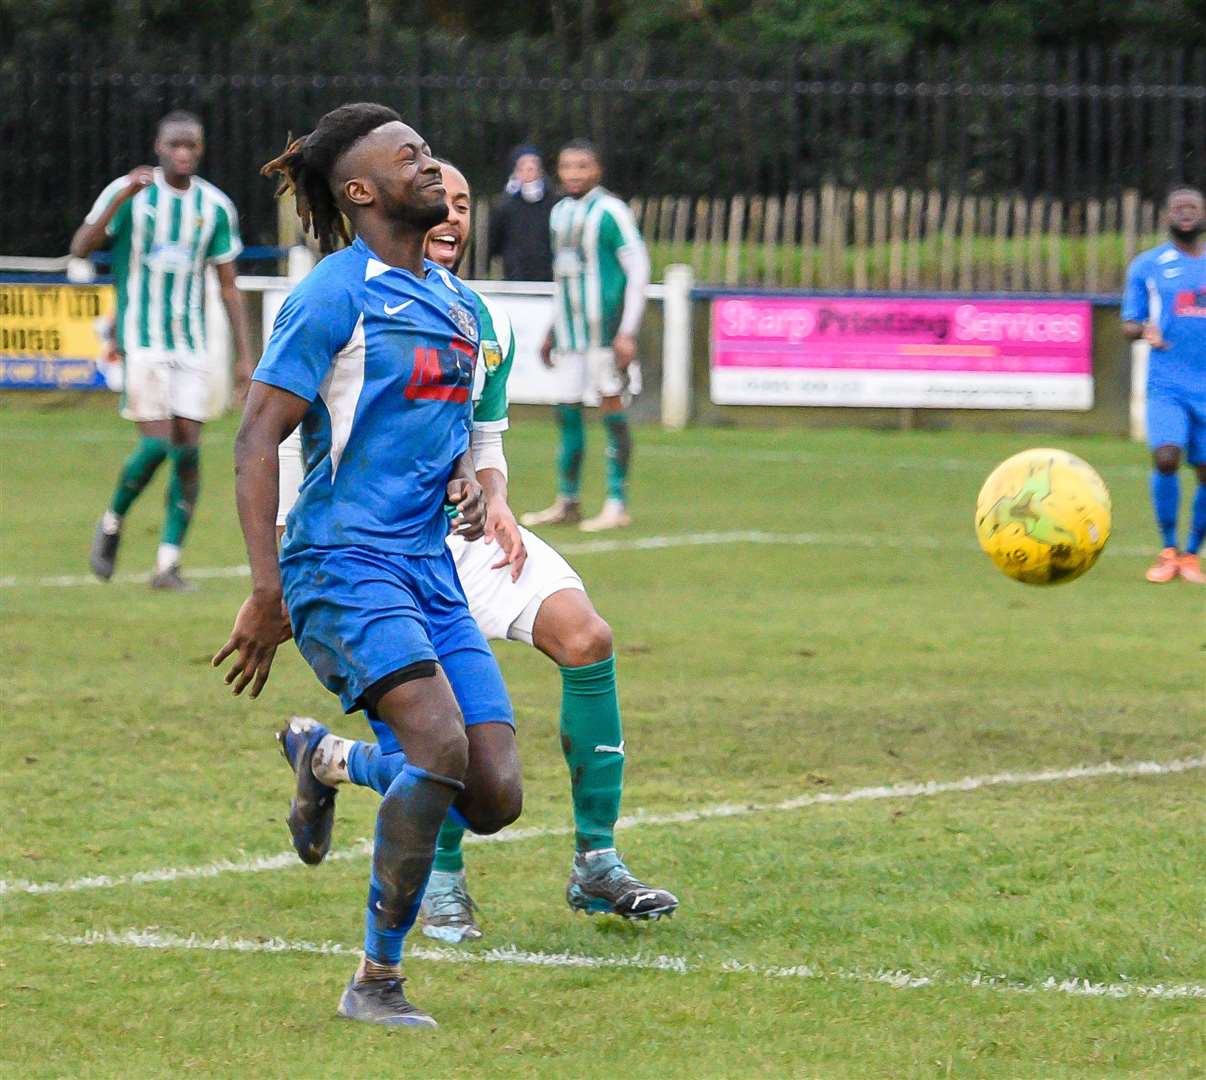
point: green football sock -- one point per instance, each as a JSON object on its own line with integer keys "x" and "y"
{"x": 619, "y": 454}
{"x": 569, "y": 457}
{"x": 592, "y": 740}
{"x": 136, "y": 473}
{"x": 448, "y": 858}
{"x": 182, "y": 493}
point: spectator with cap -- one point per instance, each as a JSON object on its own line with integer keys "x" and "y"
{"x": 519, "y": 226}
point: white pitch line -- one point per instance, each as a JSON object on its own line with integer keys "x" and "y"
{"x": 75, "y": 581}
{"x": 679, "y": 965}
{"x": 595, "y": 547}
{"x": 363, "y": 847}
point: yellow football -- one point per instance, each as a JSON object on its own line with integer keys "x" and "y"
{"x": 1043, "y": 516}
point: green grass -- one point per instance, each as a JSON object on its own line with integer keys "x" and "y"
{"x": 792, "y": 266}
{"x": 885, "y": 649}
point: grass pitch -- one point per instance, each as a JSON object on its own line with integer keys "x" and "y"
{"x": 1028, "y": 929}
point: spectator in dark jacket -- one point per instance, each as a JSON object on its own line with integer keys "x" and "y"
{"x": 519, "y": 226}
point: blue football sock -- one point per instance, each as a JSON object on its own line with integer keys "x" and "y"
{"x": 1197, "y": 531}
{"x": 408, "y": 822}
{"x": 371, "y": 767}
{"x": 1166, "y": 500}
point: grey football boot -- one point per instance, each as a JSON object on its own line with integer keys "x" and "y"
{"x": 601, "y": 883}
{"x": 381, "y": 1001}
{"x": 103, "y": 556}
{"x": 447, "y": 910}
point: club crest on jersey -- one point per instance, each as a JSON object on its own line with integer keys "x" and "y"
{"x": 492, "y": 356}
{"x": 465, "y": 322}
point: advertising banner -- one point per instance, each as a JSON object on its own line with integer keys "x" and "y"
{"x": 531, "y": 313}
{"x": 897, "y": 352}
{"x": 53, "y": 337}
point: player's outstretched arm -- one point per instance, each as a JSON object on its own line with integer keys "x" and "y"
{"x": 93, "y": 234}
{"x": 261, "y": 624}
{"x": 236, "y": 312}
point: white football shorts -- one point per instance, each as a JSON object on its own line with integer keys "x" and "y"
{"x": 159, "y": 385}
{"x": 590, "y": 375}
{"x": 506, "y": 609}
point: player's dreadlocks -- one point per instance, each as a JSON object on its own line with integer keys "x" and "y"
{"x": 305, "y": 167}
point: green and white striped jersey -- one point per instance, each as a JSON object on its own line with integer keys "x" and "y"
{"x": 495, "y": 355}
{"x": 587, "y": 235}
{"x": 162, "y": 240}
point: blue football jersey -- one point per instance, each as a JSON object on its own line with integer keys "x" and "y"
{"x": 1167, "y": 287}
{"x": 386, "y": 361}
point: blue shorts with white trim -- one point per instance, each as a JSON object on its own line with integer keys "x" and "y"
{"x": 360, "y": 615}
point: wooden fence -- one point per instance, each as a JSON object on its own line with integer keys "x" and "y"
{"x": 897, "y": 240}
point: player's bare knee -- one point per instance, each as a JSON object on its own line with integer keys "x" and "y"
{"x": 495, "y": 804}
{"x": 509, "y": 799}
{"x": 435, "y": 741}
{"x": 1167, "y": 459}
{"x": 584, "y": 638}
{"x": 588, "y": 641}
{"x": 446, "y": 748}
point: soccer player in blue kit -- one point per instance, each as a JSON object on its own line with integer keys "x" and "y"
{"x": 1165, "y": 305}
{"x": 373, "y": 355}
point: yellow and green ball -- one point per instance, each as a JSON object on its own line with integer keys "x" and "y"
{"x": 1043, "y": 516}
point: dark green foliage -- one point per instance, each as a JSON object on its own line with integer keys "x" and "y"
{"x": 874, "y": 23}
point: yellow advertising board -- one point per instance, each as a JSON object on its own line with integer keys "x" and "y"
{"x": 52, "y": 336}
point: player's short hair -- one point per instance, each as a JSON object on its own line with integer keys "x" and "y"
{"x": 305, "y": 167}
{"x": 1177, "y": 189}
{"x": 179, "y": 116}
{"x": 585, "y": 146}
{"x": 453, "y": 165}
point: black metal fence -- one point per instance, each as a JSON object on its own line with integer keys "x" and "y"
{"x": 76, "y": 112}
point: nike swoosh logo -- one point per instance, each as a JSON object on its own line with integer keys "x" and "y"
{"x": 394, "y": 310}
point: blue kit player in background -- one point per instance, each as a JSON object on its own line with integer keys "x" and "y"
{"x": 1165, "y": 305}
{"x": 373, "y": 355}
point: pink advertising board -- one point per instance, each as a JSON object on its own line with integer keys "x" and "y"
{"x": 961, "y": 353}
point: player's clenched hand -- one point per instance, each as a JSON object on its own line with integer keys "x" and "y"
{"x": 139, "y": 177}
{"x": 1152, "y": 335}
{"x": 502, "y": 526}
{"x": 260, "y": 626}
{"x": 466, "y": 496}
{"x": 625, "y": 347}
{"x": 546, "y": 351}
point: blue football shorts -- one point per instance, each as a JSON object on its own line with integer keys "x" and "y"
{"x": 1177, "y": 418}
{"x": 360, "y": 615}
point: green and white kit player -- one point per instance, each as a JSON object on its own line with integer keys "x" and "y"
{"x": 600, "y": 271}
{"x": 165, "y": 225}
{"x": 518, "y": 589}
